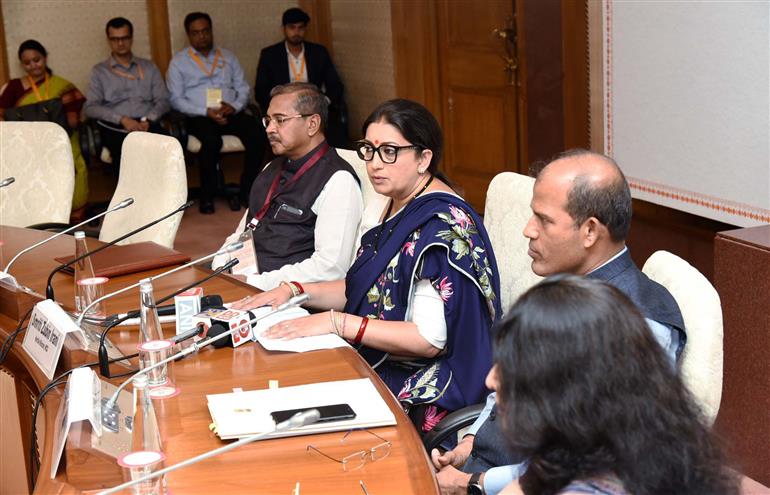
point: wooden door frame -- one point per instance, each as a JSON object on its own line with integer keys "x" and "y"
{"x": 417, "y": 67}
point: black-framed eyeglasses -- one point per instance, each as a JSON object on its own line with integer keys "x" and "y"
{"x": 388, "y": 152}
{"x": 120, "y": 39}
{"x": 356, "y": 460}
{"x": 280, "y": 119}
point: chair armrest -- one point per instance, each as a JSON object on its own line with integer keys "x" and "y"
{"x": 90, "y": 140}
{"x": 451, "y": 424}
{"x": 176, "y": 124}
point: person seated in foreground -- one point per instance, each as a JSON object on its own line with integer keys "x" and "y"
{"x": 305, "y": 206}
{"x": 420, "y": 298}
{"x": 581, "y": 215}
{"x": 126, "y": 93}
{"x": 587, "y": 394}
{"x": 40, "y": 85}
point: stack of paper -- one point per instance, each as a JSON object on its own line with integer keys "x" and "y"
{"x": 240, "y": 414}
{"x": 302, "y": 344}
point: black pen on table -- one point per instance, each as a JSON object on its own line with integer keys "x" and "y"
{"x": 363, "y": 487}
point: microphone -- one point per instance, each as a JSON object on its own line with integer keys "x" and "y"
{"x": 7, "y": 181}
{"x": 110, "y": 410}
{"x": 213, "y": 300}
{"x": 306, "y": 417}
{"x": 49, "y": 283}
{"x": 126, "y": 202}
{"x": 227, "y": 249}
{"x": 104, "y": 362}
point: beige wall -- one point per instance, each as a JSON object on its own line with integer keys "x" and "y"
{"x": 363, "y": 54}
{"x": 242, "y": 26}
{"x": 71, "y": 31}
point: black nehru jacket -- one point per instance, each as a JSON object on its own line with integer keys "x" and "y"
{"x": 285, "y": 235}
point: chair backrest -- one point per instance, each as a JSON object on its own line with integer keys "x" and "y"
{"x": 506, "y": 213}
{"x": 701, "y": 309}
{"x": 152, "y": 171}
{"x": 373, "y": 202}
{"x": 39, "y": 156}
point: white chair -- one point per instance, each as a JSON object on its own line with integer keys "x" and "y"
{"x": 373, "y": 202}
{"x": 152, "y": 171}
{"x": 701, "y": 365}
{"x": 39, "y": 156}
{"x": 506, "y": 213}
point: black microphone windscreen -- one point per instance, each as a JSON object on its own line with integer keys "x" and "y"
{"x": 213, "y": 300}
{"x": 218, "y": 329}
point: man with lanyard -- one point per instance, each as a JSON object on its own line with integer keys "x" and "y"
{"x": 207, "y": 84}
{"x": 305, "y": 206}
{"x": 297, "y": 60}
{"x": 581, "y": 215}
{"x": 126, "y": 93}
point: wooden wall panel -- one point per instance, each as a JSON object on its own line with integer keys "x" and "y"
{"x": 160, "y": 34}
{"x": 320, "y": 28}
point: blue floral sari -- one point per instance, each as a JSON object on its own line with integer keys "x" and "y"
{"x": 440, "y": 238}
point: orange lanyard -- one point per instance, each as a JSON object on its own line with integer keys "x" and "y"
{"x": 37, "y": 91}
{"x": 301, "y": 68}
{"x": 127, "y": 75}
{"x": 202, "y": 66}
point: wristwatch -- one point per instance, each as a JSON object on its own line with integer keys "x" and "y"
{"x": 474, "y": 485}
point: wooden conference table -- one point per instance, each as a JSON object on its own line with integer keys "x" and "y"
{"x": 270, "y": 466}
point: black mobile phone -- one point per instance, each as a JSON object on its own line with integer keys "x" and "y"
{"x": 335, "y": 412}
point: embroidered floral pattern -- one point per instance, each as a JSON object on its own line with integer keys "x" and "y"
{"x": 432, "y": 417}
{"x": 444, "y": 289}
{"x": 422, "y": 387}
{"x": 460, "y": 235}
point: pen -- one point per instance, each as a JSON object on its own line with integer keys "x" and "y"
{"x": 363, "y": 487}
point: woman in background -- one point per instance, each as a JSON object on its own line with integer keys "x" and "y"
{"x": 40, "y": 84}
{"x": 420, "y": 298}
{"x": 586, "y": 392}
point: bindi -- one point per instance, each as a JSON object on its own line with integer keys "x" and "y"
{"x": 376, "y": 141}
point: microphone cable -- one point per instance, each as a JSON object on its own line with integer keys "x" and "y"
{"x": 8, "y": 342}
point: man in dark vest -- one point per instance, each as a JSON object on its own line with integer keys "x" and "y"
{"x": 295, "y": 60}
{"x": 581, "y": 215}
{"x": 305, "y": 206}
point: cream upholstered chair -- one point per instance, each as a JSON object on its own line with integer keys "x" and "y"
{"x": 152, "y": 171}
{"x": 701, "y": 309}
{"x": 373, "y": 202}
{"x": 506, "y": 213}
{"x": 39, "y": 156}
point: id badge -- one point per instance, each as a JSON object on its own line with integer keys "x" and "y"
{"x": 247, "y": 257}
{"x": 213, "y": 97}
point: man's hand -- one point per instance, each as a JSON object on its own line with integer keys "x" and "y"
{"x": 216, "y": 115}
{"x": 455, "y": 457}
{"x": 144, "y": 125}
{"x": 452, "y": 481}
{"x": 131, "y": 125}
{"x": 226, "y": 109}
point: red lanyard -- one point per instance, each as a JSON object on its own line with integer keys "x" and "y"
{"x": 273, "y": 191}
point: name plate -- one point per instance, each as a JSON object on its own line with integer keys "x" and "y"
{"x": 48, "y": 327}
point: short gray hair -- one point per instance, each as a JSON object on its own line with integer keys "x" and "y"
{"x": 310, "y": 100}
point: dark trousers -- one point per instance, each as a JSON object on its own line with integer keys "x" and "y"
{"x": 113, "y": 140}
{"x": 210, "y": 135}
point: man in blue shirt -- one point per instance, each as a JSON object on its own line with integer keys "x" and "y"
{"x": 581, "y": 215}
{"x": 207, "y": 84}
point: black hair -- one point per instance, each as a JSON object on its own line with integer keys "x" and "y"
{"x": 608, "y": 202}
{"x": 310, "y": 100}
{"x": 295, "y": 15}
{"x": 194, "y": 16}
{"x": 117, "y": 23}
{"x": 585, "y": 390}
{"x": 417, "y": 125}
{"x": 36, "y": 46}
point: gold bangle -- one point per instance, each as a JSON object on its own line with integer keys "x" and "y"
{"x": 334, "y": 323}
{"x": 290, "y": 286}
{"x": 344, "y": 322}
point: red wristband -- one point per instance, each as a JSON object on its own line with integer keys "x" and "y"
{"x": 299, "y": 287}
{"x": 361, "y": 330}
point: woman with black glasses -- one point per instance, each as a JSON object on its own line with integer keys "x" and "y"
{"x": 420, "y": 298}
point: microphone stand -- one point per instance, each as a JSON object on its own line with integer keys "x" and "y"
{"x": 110, "y": 410}
{"x": 49, "y": 283}
{"x": 104, "y": 362}
{"x": 227, "y": 249}
{"x": 126, "y": 202}
{"x": 302, "y": 418}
